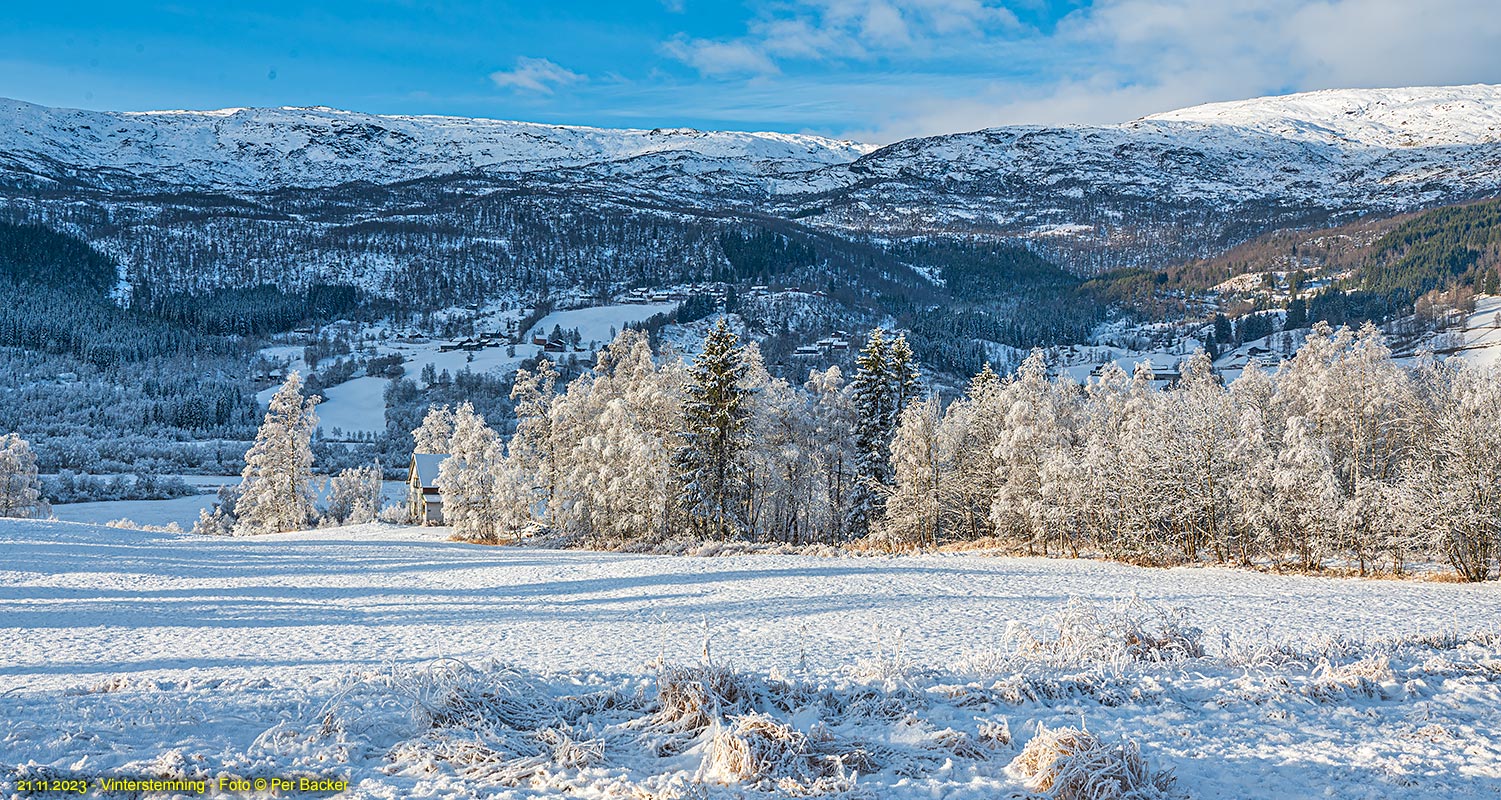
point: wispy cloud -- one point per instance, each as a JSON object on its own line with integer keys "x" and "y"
{"x": 535, "y": 75}
{"x": 720, "y": 58}
{"x": 947, "y": 65}
{"x": 855, "y": 30}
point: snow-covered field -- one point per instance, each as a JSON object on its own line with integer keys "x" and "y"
{"x": 1482, "y": 332}
{"x": 419, "y": 667}
{"x": 358, "y": 406}
{"x": 181, "y": 510}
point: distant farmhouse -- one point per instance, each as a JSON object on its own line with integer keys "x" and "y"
{"x": 422, "y": 488}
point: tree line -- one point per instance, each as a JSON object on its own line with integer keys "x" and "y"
{"x": 642, "y": 449}
{"x": 1340, "y": 454}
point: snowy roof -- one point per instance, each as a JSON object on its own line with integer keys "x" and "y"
{"x": 426, "y": 465}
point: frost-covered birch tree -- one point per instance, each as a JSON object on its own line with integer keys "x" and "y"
{"x": 1457, "y": 503}
{"x": 20, "y": 488}
{"x": 467, "y": 478}
{"x": 919, "y": 510}
{"x": 436, "y": 432}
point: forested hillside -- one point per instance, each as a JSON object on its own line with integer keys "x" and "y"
{"x": 101, "y": 387}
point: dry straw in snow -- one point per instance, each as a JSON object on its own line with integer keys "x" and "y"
{"x": 1072, "y": 764}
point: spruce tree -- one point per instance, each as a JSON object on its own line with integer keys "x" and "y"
{"x": 715, "y": 413}
{"x": 874, "y": 404}
{"x": 906, "y": 385}
{"x": 276, "y": 487}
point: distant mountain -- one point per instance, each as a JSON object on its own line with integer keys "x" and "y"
{"x": 1173, "y": 185}
{"x": 434, "y": 208}
{"x": 240, "y": 149}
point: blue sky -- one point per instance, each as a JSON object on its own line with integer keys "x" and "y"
{"x": 876, "y": 70}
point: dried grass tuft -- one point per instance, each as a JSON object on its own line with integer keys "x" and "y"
{"x": 690, "y": 699}
{"x": 757, "y": 747}
{"x": 1363, "y": 678}
{"x": 1072, "y": 764}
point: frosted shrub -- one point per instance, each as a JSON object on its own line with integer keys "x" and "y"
{"x": 1363, "y": 678}
{"x": 398, "y": 514}
{"x": 754, "y": 747}
{"x": 1073, "y": 764}
{"x": 1133, "y": 631}
{"x": 354, "y": 496}
{"x": 690, "y": 699}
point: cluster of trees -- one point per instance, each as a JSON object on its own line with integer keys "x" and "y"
{"x": 1340, "y": 454}
{"x": 36, "y": 255}
{"x": 98, "y": 387}
{"x": 760, "y": 255}
{"x": 1457, "y": 245}
{"x": 257, "y": 310}
{"x": 277, "y": 491}
{"x": 644, "y": 450}
{"x": 80, "y": 487}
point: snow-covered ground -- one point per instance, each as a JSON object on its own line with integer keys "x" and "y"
{"x": 181, "y": 510}
{"x": 1482, "y": 333}
{"x": 358, "y": 406}
{"x": 598, "y": 324}
{"x": 420, "y": 667}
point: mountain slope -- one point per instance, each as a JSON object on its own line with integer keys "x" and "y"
{"x": 255, "y": 149}
{"x": 1441, "y": 116}
{"x": 442, "y": 206}
{"x": 1175, "y": 185}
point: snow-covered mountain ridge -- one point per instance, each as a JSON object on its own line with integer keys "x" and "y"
{"x": 1441, "y": 116}
{"x": 1148, "y": 192}
{"x": 251, "y": 149}
{"x": 256, "y": 149}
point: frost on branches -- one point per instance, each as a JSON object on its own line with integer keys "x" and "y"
{"x": 467, "y": 478}
{"x": 1339, "y": 455}
{"x": 354, "y": 496}
{"x": 276, "y": 487}
{"x": 20, "y": 488}
{"x": 711, "y": 486}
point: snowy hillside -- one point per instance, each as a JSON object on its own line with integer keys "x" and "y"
{"x": 1441, "y": 116}
{"x": 1266, "y": 163}
{"x": 237, "y": 188}
{"x": 417, "y": 667}
{"x": 252, "y": 149}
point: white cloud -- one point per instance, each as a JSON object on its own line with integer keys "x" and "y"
{"x": 823, "y": 30}
{"x": 916, "y": 67}
{"x": 535, "y": 75}
{"x": 716, "y": 59}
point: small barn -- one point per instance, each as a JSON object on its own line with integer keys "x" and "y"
{"x": 422, "y": 488}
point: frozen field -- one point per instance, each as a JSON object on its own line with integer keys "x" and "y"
{"x": 344, "y": 651}
{"x": 181, "y": 510}
{"x": 358, "y": 406}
